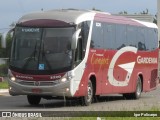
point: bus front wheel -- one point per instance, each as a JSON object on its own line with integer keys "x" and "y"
{"x": 87, "y": 99}
{"x": 33, "y": 100}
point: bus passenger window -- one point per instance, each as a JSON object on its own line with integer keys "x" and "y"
{"x": 109, "y": 36}
{"x": 141, "y": 46}
{"x": 141, "y": 39}
{"x": 97, "y": 36}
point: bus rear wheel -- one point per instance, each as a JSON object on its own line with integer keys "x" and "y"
{"x": 137, "y": 93}
{"x": 33, "y": 99}
{"x": 87, "y": 100}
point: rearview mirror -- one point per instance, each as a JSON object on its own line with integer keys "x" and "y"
{"x": 75, "y": 39}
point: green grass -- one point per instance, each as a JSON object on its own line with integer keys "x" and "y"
{"x": 4, "y": 85}
{"x": 114, "y": 118}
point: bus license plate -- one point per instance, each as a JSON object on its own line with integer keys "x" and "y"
{"x": 36, "y": 90}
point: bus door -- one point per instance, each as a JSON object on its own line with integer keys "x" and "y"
{"x": 97, "y": 55}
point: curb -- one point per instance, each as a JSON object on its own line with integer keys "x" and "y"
{"x": 3, "y": 91}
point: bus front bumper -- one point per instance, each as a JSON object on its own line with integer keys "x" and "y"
{"x": 59, "y": 89}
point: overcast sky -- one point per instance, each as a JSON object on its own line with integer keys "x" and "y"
{"x": 12, "y": 10}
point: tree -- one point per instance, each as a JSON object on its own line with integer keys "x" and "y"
{"x": 0, "y": 40}
{"x": 2, "y": 50}
{"x": 145, "y": 11}
{"x": 5, "y": 52}
{"x": 8, "y": 45}
{"x": 13, "y": 24}
{"x": 95, "y": 9}
{"x": 123, "y": 12}
{"x": 155, "y": 19}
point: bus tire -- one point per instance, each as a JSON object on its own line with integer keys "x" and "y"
{"x": 137, "y": 93}
{"x": 87, "y": 100}
{"x": 33, "y": 99}
{"x": 127, "y": 96}
{"x": 96, "y": 98}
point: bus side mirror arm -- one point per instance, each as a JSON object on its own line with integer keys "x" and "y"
{"x": 75, "y": 39}
{"x": 4, "y": 36}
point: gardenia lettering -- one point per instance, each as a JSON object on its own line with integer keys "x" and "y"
{"x": 146, "y": 60}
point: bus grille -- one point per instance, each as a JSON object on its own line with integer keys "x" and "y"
{"x": 38, "y": 83}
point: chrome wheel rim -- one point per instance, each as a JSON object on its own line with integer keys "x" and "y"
{"x": 139, "y": 89}
{"x": 89, "y": 94}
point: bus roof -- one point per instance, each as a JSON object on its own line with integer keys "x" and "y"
{"x": 71, "y": 16}
{"x": 66, "y": 15}
{"x": 123, "y": 20}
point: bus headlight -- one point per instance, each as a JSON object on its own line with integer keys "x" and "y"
{"x": 13, "y": 78}
{"x": 67, "y": 77}
{"x": 64, "y": 79}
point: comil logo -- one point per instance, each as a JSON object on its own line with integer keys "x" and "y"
{"x": 127, "y": 67}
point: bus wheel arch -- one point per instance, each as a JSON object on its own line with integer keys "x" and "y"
{"x": 141, "y": 77}
{"x": 87, "y": 98}
{"x": 33, "y": 99}
{"x": 93, "y": 80}
{"x": 90, "y": 92}
{"x": 138, "y": 87}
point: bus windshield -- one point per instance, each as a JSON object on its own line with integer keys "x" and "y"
{"x": 42, "y": 49}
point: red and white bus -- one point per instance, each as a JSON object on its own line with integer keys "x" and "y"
{"x": 82, "y": 54}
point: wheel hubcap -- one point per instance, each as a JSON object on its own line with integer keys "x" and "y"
{"x": 89, "y": 96}
{"x": 138, "y": 89}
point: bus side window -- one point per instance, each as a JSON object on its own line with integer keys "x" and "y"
{"x": 151, "y": 39}
{"x": 141, "y": 39}
{"x": 109, "y": 36}
{"x": 132, "y": 39}
{"x": 97, "y": 36}
{"x": 85, "y": 27}
{"x": 141, "y": 46}
{"x": 82, "y": 41}
{"x": 78, "y": 54}
{"x": 121, "y": 40}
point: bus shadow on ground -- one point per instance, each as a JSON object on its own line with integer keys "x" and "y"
{"x": 75, "y": 102}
